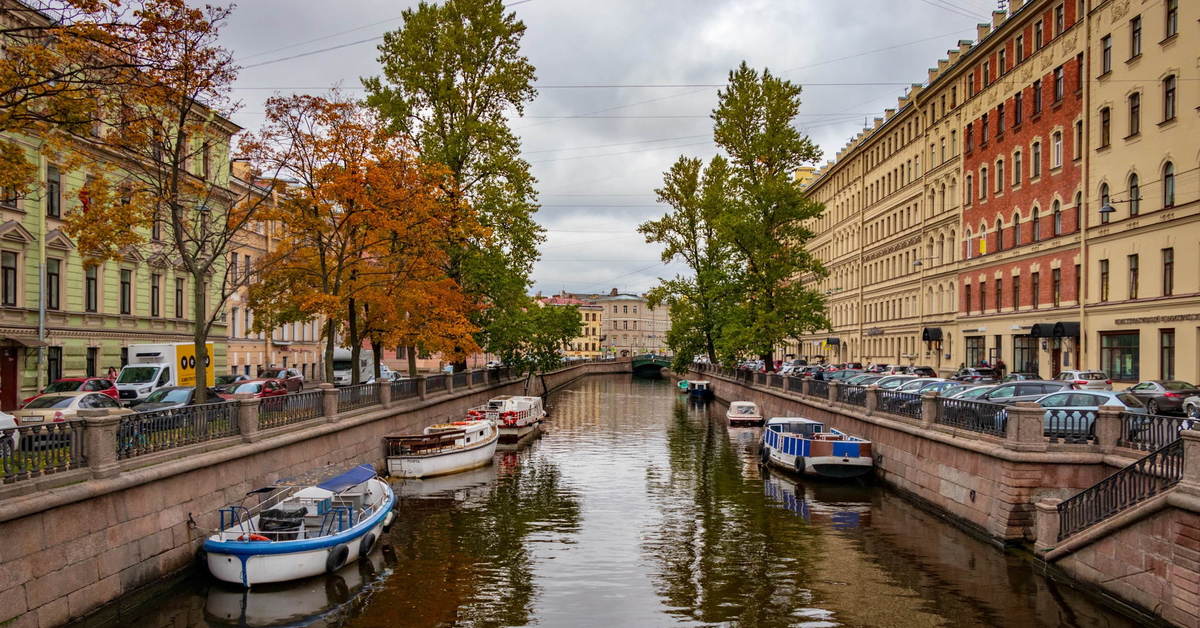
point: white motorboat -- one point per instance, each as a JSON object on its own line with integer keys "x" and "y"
{"x": 743, "y": 413}
{"x": 303, "y": 527}
{"x": 442, "y": 449}
{"x": 804, "y": 446}
{"x": 518, "y": 417}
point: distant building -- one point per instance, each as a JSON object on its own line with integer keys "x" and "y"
{"x": 628, "y": 325}
{"x": 588, "y": 344}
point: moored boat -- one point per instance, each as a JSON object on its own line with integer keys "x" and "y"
{"x": 743, "y": 413}
{"x": 303, "y": 527}
{"x": 700, "y": 389}
{"x": 805, "y": 446}
{"x": 518, "y": 417}
{"x": 442, "y": 449}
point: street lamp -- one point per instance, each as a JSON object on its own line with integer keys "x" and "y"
{"x": 917, "y": 263}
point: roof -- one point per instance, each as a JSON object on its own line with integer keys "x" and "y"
{"x": 790, "y": 419}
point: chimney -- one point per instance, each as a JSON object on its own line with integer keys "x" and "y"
{"x": 981, "y": 31}
{"x": 998, "y": 18}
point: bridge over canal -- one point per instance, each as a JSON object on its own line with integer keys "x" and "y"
{"x": 650, "y": 365}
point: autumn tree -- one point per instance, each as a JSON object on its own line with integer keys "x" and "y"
{"x": 451, "y": 75}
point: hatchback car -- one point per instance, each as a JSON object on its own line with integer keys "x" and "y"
{"x": 866, "y": 379}
{"x": 1071, "y": 415}
{"x": 293, "y": 379}
{"x": 977, "y": 375}
{"x": 78, "y": 384}
{"x": 58, "y": 407}
{"x": 175, "y": 397}
{"x": 892, "y": 382}
{"x": 1163, "y": 396}
{"x": 1013, "y": 392}
{"x": 1087, "y": 380}
{"x": 843, "y": 375}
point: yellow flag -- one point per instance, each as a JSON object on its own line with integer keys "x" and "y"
{"x": 983, "y": 245}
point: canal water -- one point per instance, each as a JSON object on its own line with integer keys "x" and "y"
{"x": 637, "y": 508}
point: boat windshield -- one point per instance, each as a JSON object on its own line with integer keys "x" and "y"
{"x": 804, "y": 429}
{"x": 744, "y": 409}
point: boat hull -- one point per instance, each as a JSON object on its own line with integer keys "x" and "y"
{"x": 744, "y": 421}
{"x": 834, "y": 459}
{"x": 443, "y": 463}
{"x": 517, "y": 433}
{"x": 830, "y": 467}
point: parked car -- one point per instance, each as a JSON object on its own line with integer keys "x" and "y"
{"x": 808, "y": 371}
{"x": 293, "y": 379}
{"x": 977, "y": 375}
{"x": 866, "y": 379}
{"x": 1021, "y": 377}
{"x": 915, "y": 385}
{"x": 1071, "y": 414}
{"x": 258, "y": 387}
{"x": 59, "y": 407}
{"x": 843, "y": 375}
{"x": 1163, "y": 396}
{"x": 854, "y": 365}
{"x": 892, "y": 382}
{"x": 943, "y": 387}
{"x": 924, "y": 371}
{"x": 971, "y": 392}
{"x": 897, "y": 369}
{"x": 1087, "y": 380}
{"x": 225, "y": 380}
{"x": 8, "y": 445}
{"x": 1014, "y": 392}
{"x": 175, "y": 397}
{"x": 78, "y": 384}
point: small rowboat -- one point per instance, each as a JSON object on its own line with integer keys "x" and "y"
{"x": 442, "y": 449}
{"x": 303, "y": 527}
{"x": 517, "y": 417}
{"x": 743, "y": 413}
{"x": 803, "y": 446}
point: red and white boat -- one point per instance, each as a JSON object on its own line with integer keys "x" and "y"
{"x": 517, "y": 417}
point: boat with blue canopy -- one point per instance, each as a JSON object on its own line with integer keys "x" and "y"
{"x": 805, "y": 446}
{"x": 302, "y": 527}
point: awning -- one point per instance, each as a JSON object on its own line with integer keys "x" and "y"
{"x": 353, "y": 477}
{"x": 1064, "y": 329}
{"x": 833, "y": 341}
{"x": 25, "y": 342}
{"x": 1042, "y": 330}
{"x": 931, "y": 334}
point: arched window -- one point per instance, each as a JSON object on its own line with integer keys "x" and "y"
{"x": 953, "y": 249}
{"x": 1016, "y": 238}
{"x": 999, "y": 235}
{"x": 941, "y": 248}
{"x": 1103, "y": 202}
{"x": 1057, "y": 214}
{"x": 968, "y": 243}
{"x": 1135, "y": 195}
{"x": 1037, "y": 226}
{"x": 970, "y": 191}
{"x": 1168, "y": 185}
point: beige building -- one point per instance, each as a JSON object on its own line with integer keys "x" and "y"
{"x": 587, "y": 344}
{"x": 626, "y": 323}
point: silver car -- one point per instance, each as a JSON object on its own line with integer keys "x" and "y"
{"x": 1071, "y": 414}
{"x": 971, "y": 393}
{"x": 918, "y": 384}
{"x": 892, "y": 382}
{"x": 1087, "y": 380}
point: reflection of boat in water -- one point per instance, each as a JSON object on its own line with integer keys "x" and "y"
{"x": 457, "y": 484}
{"x": 840, "y": 505}
{"x": 298, "y": 603}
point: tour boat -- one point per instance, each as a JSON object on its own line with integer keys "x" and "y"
{"x": 442, "y": 449}
{"x": 743, "y": 413}
{"x": 303, "y": 527}
{"x": 517, "y": 417}
{"x": 700, "y": 389}
{"x": 804, "y": 446}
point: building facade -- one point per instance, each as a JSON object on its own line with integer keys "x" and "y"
{"x": 587, "y": 344}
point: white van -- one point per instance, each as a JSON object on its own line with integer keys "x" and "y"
{"x": 153, "y": 366}
{"x": 343, "y": 368}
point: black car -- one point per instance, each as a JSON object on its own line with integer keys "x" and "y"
{"x": 175, "y": 397}
{"x": 977, "y": 375}
{"x": 1013, "y": 392}
{"x": 1163, "y": 396}
{"x": 924, "y": 371}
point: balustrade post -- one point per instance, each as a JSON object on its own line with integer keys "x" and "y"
{"x": 806, "y": 387}
{"x": 100, "y": 441}
{"x": 1190, "y": 481}
{"x": 246, "y": 407}
{"x": 1046, "y": 524}
{"x": 422, "y": 388}
{"x": 872, "y": 399}
{"x": 1108, "y": 427}
{"x": 385, "y": 393}
{"x": 833, "y": 391}
{"x": 931, "y": 409}
{"x": 470, "y": 379}
{"x": 329, "y": 402}
{"x": 1026, "y": 430}
{"x": 449, "y": 379}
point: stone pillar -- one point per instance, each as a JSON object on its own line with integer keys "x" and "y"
{"x": 247, "y": 406}
{"x": 872, "y": 399}
{"x": 1026, "y": 427}
{"x": 470, "y": 379}
{"x": 1045, "y": 524}
{"x": 385, "y": 393}
{"x": 806, "y": 386}
{"x": 422, "y": 391}
{"x": 449, "y": 377}
{"x": 100, "y": 441}
{"x": 1191, "y": 460}
{"x": 1108, "y": 427}
{"x": 931, "y": 409}
{"x": 833, "y": 391}
{"x": 329, "y": 401}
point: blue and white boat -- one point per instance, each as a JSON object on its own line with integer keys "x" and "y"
{"x": 303, "y": 527}
{"x": 700, "y": 389}
{"x": 804, "y": 446}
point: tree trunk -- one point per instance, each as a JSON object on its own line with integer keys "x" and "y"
{"x": 768, "y": 360}
{"x": 355, "y": 343}
{"x": 377, "y": 350}
{"x": 710, "y": 347}
{"x": 412, "y": 361}
{"x": 329, "y": 346}
{"x": 199, "y": 337}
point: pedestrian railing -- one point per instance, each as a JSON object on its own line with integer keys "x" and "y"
{"x": 795, "y": 384}
{"x": 404, "y": 389}
{"x": 142, "y": 433}
{"x": 903, "y": 403}
{"x": 776, "y": 380}
{"x": 1151, "y": 432}
{"x": 1136, "y": 483}
{"x": 31, "y": 451}
{"x": 434, "y": 383}
{"x": 460, "y": 379}
{"x": 816, "y": 387}
{"x": 357, "y": 396}
{"x": 1070, "y": 426}
{"x": 289, "y": 409}
{"x": 760, "y": 378}
{"x": 853, "y": 395}
{"x": 477, "y": 377}
{"x": 976, "y": 416}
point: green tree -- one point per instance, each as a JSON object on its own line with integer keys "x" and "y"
{"x": 450, "y": 77}
{"x": 531, "y": 339}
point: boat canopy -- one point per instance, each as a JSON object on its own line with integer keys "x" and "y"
{"x": 330, "y": 479}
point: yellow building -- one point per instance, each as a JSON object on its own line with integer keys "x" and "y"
{"x": 587, "y": 344}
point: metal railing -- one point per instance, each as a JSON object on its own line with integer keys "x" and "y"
{"x": 357, "y": 396}
{"x": 776, "y": 380}
{"x": 795, "y": 384}
{"x": 976, "y": 416}
{"x": 31, "y": 451}
{"x": 404, "y": 389}
{"x": 816, "y": 387}
{"x": 460, "y": 379}
{"x": 853, "y": 395}
{"x": 760, "y": 378}
{"x": 142, "y": 433}
{"x": 289, "y": 409}
{"x": 1070, "y": 426}
{"x": 902, "y": 403}
{"x": 436, "y": 382}
{"x": 1150, "y": 432}
{"x": 1149, "y": 476}
{"x": 477, "y": 377}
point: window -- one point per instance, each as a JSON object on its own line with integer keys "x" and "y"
{"x": 987, "y": 72}
{"x": 1056, "y": 286}
{"x": 1025, "y": 354}
{"x": 982, "y": 297}
{"x": 1037, "y": 97}
{"x": 1166, "y": 353}
{"x": 126, "y": 291}
{"x": 1169, "y": 98}
{"x": 1035, "y": 165}
{"x": 999, "y": 119}
{"x": 1016, "y": 292}
{"x": 1016, "y": 169}
{"x": 1016, "y": 238}
{"x": 90, "y": 287}
{"x": 1037, "y": 35}
{"x": 1056, "y": 214}
{"x": 999, "y": 236}
{"x": 1056, "y": 150}
{"x": 155, "y": 295}
{"x": 1168, "y": 177}
{"x": 983, "y": 133}
{"x": 970, "y": 189}
{"x": 1103, "y": 280}
{"x": 179, "y": 298}
{"x": 1135, "y": 195}
{"x": 1172, "y": 29}
{"x": 1135, "y": 114}
{"x": 1003, "y": 57}
{"x": 1105, "y": 126}
{"x": 970, "y": 141}
{"x": 967, "y": 291}
{"x": 53, "y": 363}
{"x": 1059, "y": 20}
{"x": 1079, "y": 73}
{"x": 53, "y": 283}
{"x": 1060, "y": 84}
{"x": 1020, "y": 48}
{"x": 975, "y": 349}
{"x": 156, "y": 230}
{"x": 953, "y": 143}
{"x": 999, "y": 294}
{"x": 53, "y": 193}
{"x": 1133, "y": 277}
{"x": 233, "y": 268}
{"x": 9, "y": 198}
{"x": 1168, "y": 262}
{"x": 999, "y": 176}
{"x": 1105, "y": 55}
{"x": 1135, "y": 37}
{"x": 1077, "y": 153}
{"x": 983, "y": 183}
{"x": 1018, "y": 100}
{"x": 93, "y": 360}
{"x": 1035, "y": 289}
{"x": 205, "y": 160}
{"x": 8, "y": 279}
{"x": 1104, "y": 202}
{"x": 1037, "y": 226}
{"x": 1119, "y": 355}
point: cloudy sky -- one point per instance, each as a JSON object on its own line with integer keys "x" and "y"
{"x": 625, "y": 88}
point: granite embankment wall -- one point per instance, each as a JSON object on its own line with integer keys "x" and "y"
{"x": 69, "y": 549}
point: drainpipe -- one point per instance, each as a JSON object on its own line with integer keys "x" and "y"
{"x": 1081, "y": 347}
{"x": 41, "y": 361}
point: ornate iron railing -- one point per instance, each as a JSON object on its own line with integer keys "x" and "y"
{"x": 795, "y": 384}
{"x": 816, "y": 387}
{"x": 903, "y": 403}
{"x": 853, "y": 395}
{"x": 760, "y": 378}
{"x": 142, "y": 433}
{"x": 357, "y": 396}
{"x": 289, "y": 409}
{"x": 460, "y": 379}
{"x": 31, "y": 451}
{"x": 1149, "y": 476}
{"x": 404, "y": 389}
{"x": 776, "y": 380}
{"x": 477, "y": 377}
{"x": 1070, "y": 426}
{"x": 1150, "y": 432}
{"x": 437, "y": 382}
{"x": 976, "y": 416}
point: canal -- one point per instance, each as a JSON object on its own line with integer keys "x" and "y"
{"x": 639, "y": 509}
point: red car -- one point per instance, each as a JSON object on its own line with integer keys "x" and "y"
{"x": 258, "y": 387}
{"x": 78, "y": 384}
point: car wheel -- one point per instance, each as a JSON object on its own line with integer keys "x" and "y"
{"x": 1152, "y": 407}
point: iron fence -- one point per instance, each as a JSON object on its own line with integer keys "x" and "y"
{"x": 816, "y": 387}
{"x": 357, "y": 396}
{"x": 1070, "y": 426}
{"x": 435, "y": 383}
{"x": 1147, "y": 477}
{"x": 776, "y": 380}
{"x": 760, "y": 378}
{"x": 460, "y": 380}
{"x": 289, "y": 409}
{"x": 477, "y": 377}
{"x": 976, "y": 416}
{"x": 31, "y": 451}
{"x": 853, "y": 395}
{"x": 1151, "y": 432}
{"x": 142, "y": 433}
{"x": 902, "y": 403}
{"x": 404, "y": 389}
{"x": 795, "y": 384}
